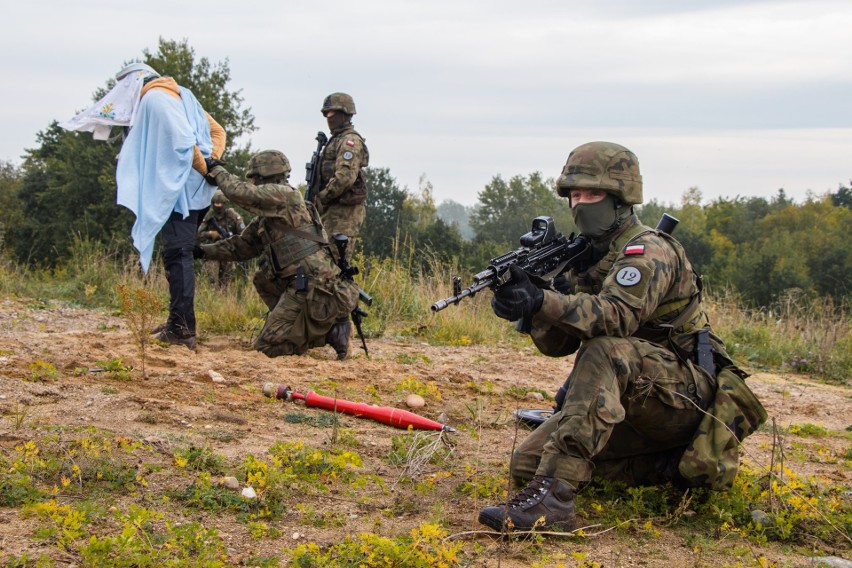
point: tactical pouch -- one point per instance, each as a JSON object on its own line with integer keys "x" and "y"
{"x": 357, "y": 193}
{"x": 712, "y": 458}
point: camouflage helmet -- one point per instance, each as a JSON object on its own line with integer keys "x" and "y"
{"x": 219, "y": 197}
{"x": 602, "y": 165}
{"x": 268, "y": 163}
{"x": 338, "y": 101}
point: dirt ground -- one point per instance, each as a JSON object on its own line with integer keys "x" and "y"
{"x": 179, "y": 404}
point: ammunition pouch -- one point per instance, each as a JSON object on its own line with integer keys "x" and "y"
{"x": 296, "y": 244}
{"x": 712, "y": 457}
{"x": 356, "y": 194}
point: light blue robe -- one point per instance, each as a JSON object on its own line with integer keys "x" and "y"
{"x": 154, "y": 173}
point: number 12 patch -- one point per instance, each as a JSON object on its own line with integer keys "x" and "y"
{"x": 628, "y": 276}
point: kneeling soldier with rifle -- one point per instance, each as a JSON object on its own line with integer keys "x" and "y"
{"x": 309, "y": 301}
{"x": 653, "y": 397}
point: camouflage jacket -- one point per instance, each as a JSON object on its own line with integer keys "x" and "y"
{"x": 340, "y": 167}
{"x": 644, "y": 281}
{"x": 210, "y": 229}
{"x": 286, "y": 231}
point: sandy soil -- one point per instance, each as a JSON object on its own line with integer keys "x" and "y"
{"x": 177, "y": 403}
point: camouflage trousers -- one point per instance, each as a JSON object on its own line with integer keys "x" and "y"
{"x": 346, "y": 219}
{"x": 219, "y": 272}
{"x": 630, "y": 410}
{"x": 300, "y": 320}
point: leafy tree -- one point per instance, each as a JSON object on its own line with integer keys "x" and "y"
{"x": 454, "y": 213}
{"x": 843, "y": 197}
{"x": 68, "y": 184}
{"x": 384, "y": 208}
{"x": 11, "y": 213}
{"x": 68, "y": 189}
{"x": 506, "y": 209}
{"x": 208, "y": 82}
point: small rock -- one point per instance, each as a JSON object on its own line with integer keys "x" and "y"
{"x": 296, "y": 536}
{"x": 535, "y": 395}
{"x": 442, "y": 418}
{"x": 760, "y": 518}
{"x": 231, "y": 483}
{"x": 414, "y": 401}
{"x": 249, "y": 493}
{"x": 215, "y": 377}
{"x": 833, "y": 561}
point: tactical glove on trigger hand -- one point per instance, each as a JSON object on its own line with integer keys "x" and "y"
{"x": 197, "y": 252}
{"x": 520, "y": 299}
{"x": 211, "y": 163}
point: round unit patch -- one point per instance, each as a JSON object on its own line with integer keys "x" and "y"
{"x": 347, "y": 155}
{"x": 628, "y": 276}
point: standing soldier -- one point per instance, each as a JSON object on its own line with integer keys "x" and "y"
{"x": 220, "y": 222}
{"x": 342, "y": 187}
{"x": 308, "y": 300}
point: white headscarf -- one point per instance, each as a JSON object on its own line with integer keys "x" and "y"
{"x": 116, "y": 108}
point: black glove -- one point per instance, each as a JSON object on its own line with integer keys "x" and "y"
{"x": 561, "y": 284}
{"x": 197, "y": 252}
{"x": 211, "y": 163}
{"x": 520, "y": 299}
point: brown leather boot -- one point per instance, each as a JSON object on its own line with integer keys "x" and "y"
{"x": 546, "y": 503}
{"x": 338, "y": 337}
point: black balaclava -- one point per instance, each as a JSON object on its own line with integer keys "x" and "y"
{"x": 338, "y": 121}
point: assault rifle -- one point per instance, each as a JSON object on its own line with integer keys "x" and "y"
{"x": 312, "y": 173}
{"x": 348, "y": 272}
{"x": 223, "y": 232}
{"x": 544, "y": 254}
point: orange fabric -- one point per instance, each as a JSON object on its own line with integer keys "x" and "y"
{"x": 217, "y": 133}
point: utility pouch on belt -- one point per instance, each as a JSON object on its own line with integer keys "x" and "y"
{"x": 704, "y": 351}
{"x": 712, "y": 457}
{"x": 300, "y": 280}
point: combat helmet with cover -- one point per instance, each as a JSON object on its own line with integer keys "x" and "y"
{"x": 602, "y": 165}
{"x": 268, "y": 163}
{"x": 218, "y": 197}
{"x": 338, "y": 101}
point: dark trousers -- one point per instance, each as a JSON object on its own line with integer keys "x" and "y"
{"x": 178, "y": 235}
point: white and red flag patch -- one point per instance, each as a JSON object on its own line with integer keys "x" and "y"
{"x": 350, "y": 143}
{"x": 634, "y": 249}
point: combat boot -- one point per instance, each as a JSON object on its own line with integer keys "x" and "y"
{"x": 338, "y": 337}
{"x": 167, "y": 336}
{"x": 546, "y": 503}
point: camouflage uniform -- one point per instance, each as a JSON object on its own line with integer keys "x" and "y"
{"x": 632, "y": 408}
{"x": 635, "y": 397}
{"x": 630, "y": 397}
{"x": 343, "y": 189}
{"x": 220, "y": 222}
{"x": 299, "y": 280}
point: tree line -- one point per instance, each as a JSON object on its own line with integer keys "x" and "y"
{"x": 65, "y": 189}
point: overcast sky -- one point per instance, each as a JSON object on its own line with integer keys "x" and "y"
{"x": 736, "y": 97}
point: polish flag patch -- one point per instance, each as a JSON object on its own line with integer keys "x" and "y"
{"x": 634, "y": 249}
{"x": 350, "y": 143}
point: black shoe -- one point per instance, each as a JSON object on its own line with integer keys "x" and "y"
{"x": 338, "y": 338}
{"x": 546, "y": 503}
{"x": 173, "y": 338}
{"x": 160, "y": 328}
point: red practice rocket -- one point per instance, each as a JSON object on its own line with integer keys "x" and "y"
{"x": 384, "y": 414}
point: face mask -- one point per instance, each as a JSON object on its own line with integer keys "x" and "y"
{"x": 595, "y": 219}
{"x": 337, "y": 121}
